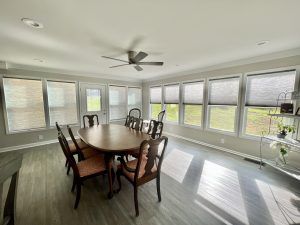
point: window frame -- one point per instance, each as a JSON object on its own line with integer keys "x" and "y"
{"x": 243, "y": 117}
{"x": 183, "y": 105}
{"x": 180, "y": 116}
{"x": 149, "y": 100}
{"x": 234, "y": 133}
{"x": 47, "y": 109}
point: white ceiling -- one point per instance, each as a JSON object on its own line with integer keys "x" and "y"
{"x": 184, "y": 34}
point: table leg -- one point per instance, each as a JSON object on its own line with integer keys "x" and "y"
{"x": 108, "y": 162}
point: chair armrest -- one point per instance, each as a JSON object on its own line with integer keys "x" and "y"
{"x": 124, "y": 165}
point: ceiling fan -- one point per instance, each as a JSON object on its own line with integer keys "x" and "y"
{"x": 135, "y": 59}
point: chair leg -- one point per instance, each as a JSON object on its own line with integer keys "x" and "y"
{"x": 66, "y": 163}
{"x": 158, "y": 187}
{"x": 68, "y": 171}
{"x": 78, "y": 193}
{"x": 136, "y": 203}
{"x": 119, "y": 181}
{"x": 113, "y": 175}
{"x": 74, "y": 184}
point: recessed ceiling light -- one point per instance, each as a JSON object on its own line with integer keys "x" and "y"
{"x": 39, "y": 60}
{"x": 32, "y": 23}
{"x": 262, "y": 42}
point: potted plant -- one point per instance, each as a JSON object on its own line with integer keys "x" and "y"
{"x": 283, "y": 130}
{"x": 283, "y": 150}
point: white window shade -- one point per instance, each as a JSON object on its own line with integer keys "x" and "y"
{"x": 224, "y": 91}
{"x": 193, "y": 93}
{"x": 264, "y": 89}
{"x": 24, "y": 104}
{"x": 117, "y": 102}
{"x": 62, "y": 102}
{"x": 172, "y": 94}
{"x": 134, "y": 98}
{"x": 155, "y": 95}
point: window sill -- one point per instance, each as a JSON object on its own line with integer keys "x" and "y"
{"x": 192, "y": 126}
{"x": 229, "y": 133}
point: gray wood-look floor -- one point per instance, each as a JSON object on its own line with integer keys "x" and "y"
{"x": 199, "y": 186}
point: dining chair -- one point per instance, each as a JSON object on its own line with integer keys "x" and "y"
{"x": 84, "y": 169}
{"x": 91, "y": 120}
{"x": 135, "y": 112}
{"x": 143, "y": 169}
{"x": 155, "y": 129}
{"x": 128, "y": 121}
{"x": 137, "y": 124}
{"x": 161, "y": 115}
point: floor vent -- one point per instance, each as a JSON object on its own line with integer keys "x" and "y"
{"x": 254, "y": 161}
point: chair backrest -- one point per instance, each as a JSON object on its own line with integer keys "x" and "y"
{"x": 161, "y": 115}
{"x": 57, "y": 127}
{"x": 150, "y": 157}
{"x": 81, "y": 156}
{"x": 90, "y": 120}
{"x": 66, "y": 150}
{"x": 137, "y": 124}
{"x": 155, "y": 129}
{"x": 135, "y": 112}
{"x": 128, "y": 121}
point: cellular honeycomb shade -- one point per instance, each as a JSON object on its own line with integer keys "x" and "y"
{"x": 224, "y": 91}
{"x": 264, "y": 89}
{"x": 134, "y": 98}
{"x": 155, "y": 95}
{"x": 172, "y": 94}
{"x": 117, "y": 102}
{"x": 193, "y": 93}
{"x": 62, "y": 102}
{"x": 24, "y": 104}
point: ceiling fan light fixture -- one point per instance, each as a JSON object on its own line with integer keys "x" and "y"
{"x": 32, "y": 23}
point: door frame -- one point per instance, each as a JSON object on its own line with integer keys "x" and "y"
{"x": 106, "y": 99}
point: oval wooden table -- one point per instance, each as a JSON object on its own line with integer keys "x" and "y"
{"x": 112, "y": 139}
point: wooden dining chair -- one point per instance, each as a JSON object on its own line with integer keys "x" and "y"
{"x": 84, "y": 169}
{"x": 91, "y": 120}
{"x": 128, "y": 121}
{"x": 135, "y": 112}
{"x": 155, "y": 129}
{"x": 161, "y": 115}
{"x": 143, "y": 169}
{"x": 136, "y": 123}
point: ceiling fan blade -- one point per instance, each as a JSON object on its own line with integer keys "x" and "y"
{"x": 138, "y": 68}
{"x": 119, "y": 65}
{"x": 151, "y": 63}
{"x": 140, "y": 56}
{"x": 115, "y": 59}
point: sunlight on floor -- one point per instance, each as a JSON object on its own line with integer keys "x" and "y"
{"x": 176, "y": 164}
{"x": 211, "y": 212}
{"x": 281, "y": 203}
{"x": 220, "y": 186}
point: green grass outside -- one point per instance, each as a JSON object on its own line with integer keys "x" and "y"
{"x": 172, "y": 112}
{"x": 222, "y": 117}
{"x": 155, "y": 110}
{"x": 93, "y": 103}
{"x": 193, "y": 115}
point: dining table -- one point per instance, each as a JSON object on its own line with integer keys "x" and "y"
{"x": 112, "y": 140}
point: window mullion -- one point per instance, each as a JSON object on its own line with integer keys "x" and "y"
{"x": 46, "y": 105}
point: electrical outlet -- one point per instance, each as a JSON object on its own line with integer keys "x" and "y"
{"x": 222, "y": 140}
{"x": 41, "y": 137}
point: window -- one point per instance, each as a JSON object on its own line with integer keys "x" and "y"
{"x": 134, "y": 98}
{"x": 192, "y": 103}
{"x": 222, "y": 104}
{"x": 262, "y": 91}
{"x": 172, "y": 102}
{"x": 117, "y": 102}
{"x": 24, "y": 104}
{"x": 62, "y": 102}
{"x": 155, "y": 101}
{"x": 93, "y": 100}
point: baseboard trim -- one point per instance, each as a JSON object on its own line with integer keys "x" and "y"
{"x": 30, "y": 145}
{"x": 243, "y": 155}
